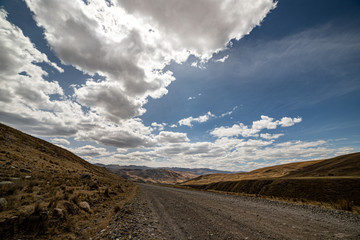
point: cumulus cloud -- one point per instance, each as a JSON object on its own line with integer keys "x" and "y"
{"x": 171, "y": 137}
{"x": 25, "y": 95}
{"x": 189, "y": 121}
{"x": 158, "y": 126}
{"x": 128, "y": 134}
{"x": 89, "y": 151}
{"x": 61, "y": 141}
{"x": 264, "y": 123}
{"x": 288, "y": 122}
{"x": 228, "y": 153}
{"x": 206, "y": 26}
{"x": 271, "y": 136}
{"x": 130, "y": 42}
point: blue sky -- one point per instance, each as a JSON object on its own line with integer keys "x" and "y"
{"x": 232, "y": 85}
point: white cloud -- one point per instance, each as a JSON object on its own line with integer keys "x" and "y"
{"x": 171, "y": 137}
{"x": 206, "y": 26}
{"x": 194, "y": 97}
{"x": 114, "y": 41}
{"x": 222, "y": 59}
{"x": 61, "y": 141}
{"x": 228, "y": 153}
{"x": 24, "y": 93}
{"x": 235, "y": 130}
{"x": 194, "y": 64}
{"x": 288, "y": 122}
{"x": 89, "y": 151}
{"x": 128, "y": 134}
{"x": 257, "y": 126}
{"x": 189, "y": 121}
{"x": 271, "y": 136}
{"x": 158, "y": 126}
{"x": 265, "y": 123}
{"x": 229, "y": 112}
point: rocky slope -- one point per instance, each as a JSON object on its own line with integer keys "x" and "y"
{"x": 48, "y": 192}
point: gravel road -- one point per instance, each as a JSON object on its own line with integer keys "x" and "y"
{"x": 189, "y": 214}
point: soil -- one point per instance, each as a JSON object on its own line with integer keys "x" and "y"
{"x": 172, "y": 213}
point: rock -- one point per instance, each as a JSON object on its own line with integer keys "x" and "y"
{"x": 85, "y": 176}
{"x": 6, "y": 183}
{"x": 58, "y": 212}
{"x": 25, "y": 170}
{"x": 85, "y": 206}
{"x": 27, "y": 177}
{"x": 93, "y": 185}
{"x": 71, "y": 208}
{"x": 3, "y": 204}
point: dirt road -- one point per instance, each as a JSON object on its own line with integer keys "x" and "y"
{"x": 188, "y": 214}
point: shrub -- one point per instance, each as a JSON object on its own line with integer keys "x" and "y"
{"x": 344, "y": 204}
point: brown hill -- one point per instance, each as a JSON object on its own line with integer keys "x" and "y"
{"x": 334, "y": 182}
{"x": 48, "y": 192}
{"x": 341, "y": 166}
{"x": 154, "y": 175}
{"x": 267, "y": 172}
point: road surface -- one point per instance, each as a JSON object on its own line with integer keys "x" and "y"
{"x": 190, "y": 214}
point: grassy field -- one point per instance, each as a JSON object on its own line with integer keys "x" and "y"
{"x": 332, "y": 182}
{"x": 47, "y": 192}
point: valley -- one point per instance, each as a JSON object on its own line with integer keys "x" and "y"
{"x": 48, "y": 192}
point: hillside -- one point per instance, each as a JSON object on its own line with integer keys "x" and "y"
{"x": 198, "y": 171}
{"x": 341, "y": 166}
{"x": 48, "y": 192}
{"x": 334, "y": 182}
{"x": 151, "y": 175}
{"x": 267, "y": 172}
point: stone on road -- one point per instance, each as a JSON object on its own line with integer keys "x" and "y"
{"x": 189, "y": 214}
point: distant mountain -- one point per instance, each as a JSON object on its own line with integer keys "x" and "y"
{"x": 164, "y": 175}
{"x": 144, "y": 174}
{"x": 47, "y": 192}
{"x": 196, "y": 171}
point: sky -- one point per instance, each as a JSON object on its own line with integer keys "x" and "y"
{"x": 231, "y": 85}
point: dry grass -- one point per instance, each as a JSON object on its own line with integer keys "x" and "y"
{"x": 333, "y": 183}
{"x": 342, "y": 166}
{"x": 154, "y": 176}
{"x": 44, "y": 178}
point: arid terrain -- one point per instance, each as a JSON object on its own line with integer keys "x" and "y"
{"x": 333, "y": 183}
{"x": 151, "y": 175}
{"x": 173, "y": 213}
{"x": 47, "y": 192}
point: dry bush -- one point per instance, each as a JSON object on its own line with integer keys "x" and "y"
{"x": 344, "y": 204}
